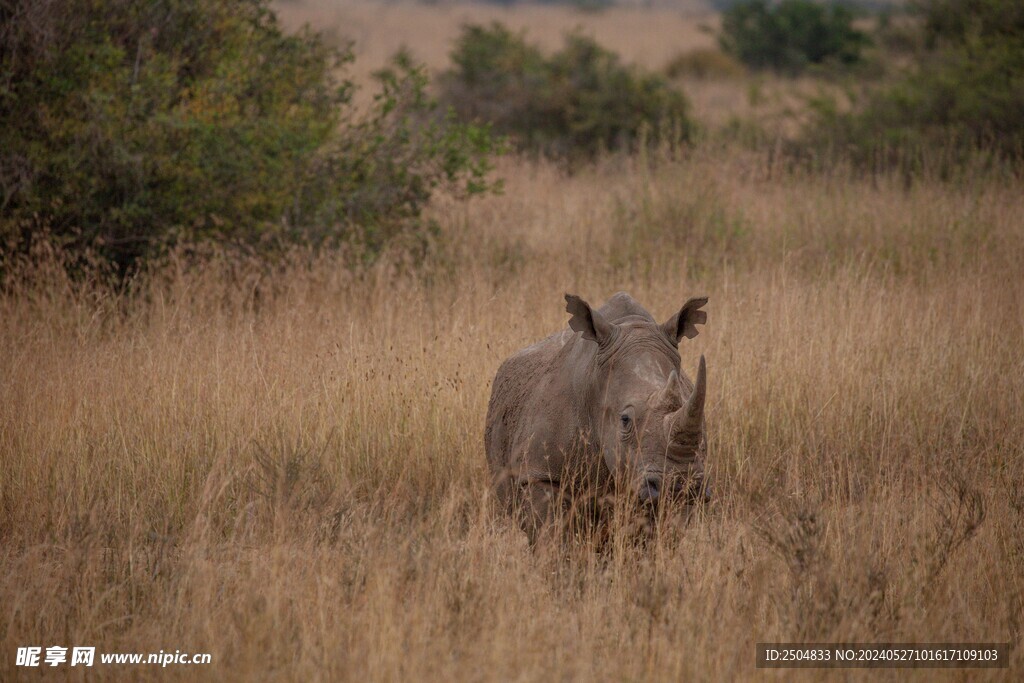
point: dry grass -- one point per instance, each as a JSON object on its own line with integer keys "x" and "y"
{"x": 650, "y": 37}
{"x": 646, "y": 36}
{"x": 285, "y": 467}
{"x": 642, "y": 35}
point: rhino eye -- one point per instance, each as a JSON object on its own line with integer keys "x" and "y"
{"x": 625, "y": 420}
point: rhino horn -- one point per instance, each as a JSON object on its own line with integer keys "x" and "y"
{"x": 689, "y": 419}
{"x": 670, "y": 397}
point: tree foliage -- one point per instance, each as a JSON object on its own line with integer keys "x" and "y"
{"x": 126, "y": 125}
{"x": 790, "y": 35}
{"x": 576, "y": 102}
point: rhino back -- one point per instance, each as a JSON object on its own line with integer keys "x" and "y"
{"x": 532, "y": 402}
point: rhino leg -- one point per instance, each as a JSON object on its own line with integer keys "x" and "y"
{"x": 539, "y": 505}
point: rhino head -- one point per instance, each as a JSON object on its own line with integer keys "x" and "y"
{"x": 646, "y": 418}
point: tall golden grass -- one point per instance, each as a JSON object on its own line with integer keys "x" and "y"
{"x": 283, "y": 466}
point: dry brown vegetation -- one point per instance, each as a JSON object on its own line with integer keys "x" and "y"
{"x": 652, "y": 38}
{"x": 283, "y": 465}
{"x": 647, "y": 36}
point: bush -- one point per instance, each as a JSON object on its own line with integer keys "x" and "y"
{"x": 955, "y": 22}
{"x": 790, "y": 35}
{"x": 577, "y": 102}
{"x": 964, "y": 95}
{"x": 125, "y": 126}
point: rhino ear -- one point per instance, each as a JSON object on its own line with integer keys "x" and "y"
{"x": 586, "y": 320}
{"x": 684, "y": 323}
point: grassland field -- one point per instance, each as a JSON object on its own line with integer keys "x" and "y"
{"x": 283, "y": 465}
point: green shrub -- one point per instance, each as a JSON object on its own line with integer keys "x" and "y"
{"x": 789, "y": 36}
{"x": 705, "y": 64}
{"x": 964, "y": 95}
{"x": 954, "y": 22}
{"x": 125, "y": 126}
{"x": 577, "y": 102}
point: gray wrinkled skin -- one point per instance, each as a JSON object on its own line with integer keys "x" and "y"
{"x": 598, "y": 408}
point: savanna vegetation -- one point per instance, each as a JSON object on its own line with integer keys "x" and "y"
{"x": 961, "y": 95}
{"x": 274, "y": 453}
{"x": 578, "y": 102}
{"x": 791, "y": 34}
{"x": 129, "y": 127}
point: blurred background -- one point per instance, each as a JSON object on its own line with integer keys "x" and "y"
{"x": 131, "y": 126}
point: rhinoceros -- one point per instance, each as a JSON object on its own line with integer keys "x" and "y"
{"x": 599, "y": 408}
